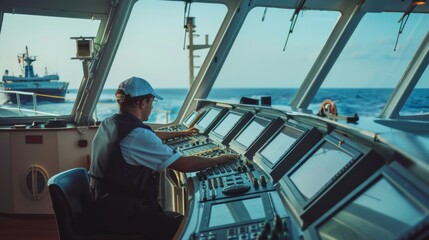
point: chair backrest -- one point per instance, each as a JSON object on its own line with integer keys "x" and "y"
{"x": 70, "y": 199}
{"x": 72, "y": 206}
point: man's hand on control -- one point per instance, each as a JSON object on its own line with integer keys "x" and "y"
{"x": 191, "y": 131}
{"x": 228, "y": 157}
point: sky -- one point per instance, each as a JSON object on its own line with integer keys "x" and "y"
{"x": 152, "y": 47}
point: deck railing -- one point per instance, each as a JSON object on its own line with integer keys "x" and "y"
{"x": 19, "y": 108}
{"x": 18, "y": 99}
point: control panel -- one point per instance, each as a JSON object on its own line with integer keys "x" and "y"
{"x": 292, "y": 180}
{"x": 187, "y": 142}
{"x": 254, "y": 216}
{"x": 173, "y": 128}
{"x": 277, "y": 228}
{"x": 189, "y": 122}
{"x": 235, "y": 200}
{"x": 230, "y": 180}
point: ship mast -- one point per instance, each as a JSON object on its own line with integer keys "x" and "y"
{"x": 26, "y": 62}
{"x": 190, "y": 25}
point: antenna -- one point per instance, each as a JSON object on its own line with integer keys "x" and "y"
{"x": 185, "y": 19}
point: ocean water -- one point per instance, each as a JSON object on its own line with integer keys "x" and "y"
{"x": 364, "y": 102}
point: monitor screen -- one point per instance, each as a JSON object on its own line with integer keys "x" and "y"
{"x": 381, "y": 212}
{"x": 250, "y": 133}
{"x": 277, "y": 147}
{"x": 236, "y": 211}
{"x": 208, "y": 117}
{"x": 319, "y": 168}
{"x": 227, "y": 124}
{"x": 190, "y": 119}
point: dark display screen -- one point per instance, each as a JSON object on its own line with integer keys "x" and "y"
{"x": 191, "y": 118}
{"x": 227, "y": 124}
{"x": 250, "y": 133}
{"x": 319, "y": 168}
{"x": 208, "y": 117}
{"x": 277, "y": 147}
{"x": 381, "y": 212}
{"x": 237, "y": 211}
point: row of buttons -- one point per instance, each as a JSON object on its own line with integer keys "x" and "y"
{"x": 225, "y": 168}
{"x": 262, "y": 230}
{"x": 187, "y": 142}
{"x": 204, "y": 150}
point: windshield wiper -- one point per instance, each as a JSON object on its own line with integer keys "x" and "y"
{"x": 403, "y": 20}
{"x": 293, "y": 20}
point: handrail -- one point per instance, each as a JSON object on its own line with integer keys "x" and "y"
{"x": 34, "y": 95}
{"x": 18, "y": 99}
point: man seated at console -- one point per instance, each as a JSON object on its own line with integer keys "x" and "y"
{"x": 128, "y": 157}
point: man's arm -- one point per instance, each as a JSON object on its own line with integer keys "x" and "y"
{"x": 194, "y": 163}
{"x": 167, "y": 135}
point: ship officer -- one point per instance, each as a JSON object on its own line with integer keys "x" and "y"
{"x": 128, "y": 157}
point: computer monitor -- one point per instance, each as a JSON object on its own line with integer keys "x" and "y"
{"x": 209, "y": 119}
{"x": 281, "y": 151}
{"x": 380, "y": 208}
{"x": 240, "y": 210}
{"x": 323, "y": 164}
{"x": 229, "y": 126}
{"x": 273, "y": 151}
{"x": 191, "y": 119}
{"x": 329, "y": 171}
{"x": 250, "y": 133}
{"x": 236, "y": 211}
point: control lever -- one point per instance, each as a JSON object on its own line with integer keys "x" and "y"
{"x": 236, "y": 189}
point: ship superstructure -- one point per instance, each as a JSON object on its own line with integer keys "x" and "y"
{"x": 45, "y": 88}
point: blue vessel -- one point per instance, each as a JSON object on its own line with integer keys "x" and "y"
{"x": 46, "y": 88}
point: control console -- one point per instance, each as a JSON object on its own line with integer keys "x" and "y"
{"x": 173, "y": 128}
{"x": 254, "y": 216}
{"x": 235, "y": 200}
{"x": 230, "y": 184}
{"x": 187, "y": 142}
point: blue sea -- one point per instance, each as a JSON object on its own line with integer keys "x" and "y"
{"x": 364, "y": 102}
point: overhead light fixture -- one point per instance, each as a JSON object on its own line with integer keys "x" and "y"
{"x": 418, "y": 2}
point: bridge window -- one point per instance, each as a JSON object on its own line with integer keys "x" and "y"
{"x": 368, "y": 69}
{"x": 257, "y": 65}
{"x": 155, "y": 47}
{"x": 54, "y": 77}
{"x": 417, "y": 103}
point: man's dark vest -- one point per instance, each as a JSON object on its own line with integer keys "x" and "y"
{"x": 109, "y": 171}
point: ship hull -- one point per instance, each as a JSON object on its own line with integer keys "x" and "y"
{"x": 52, "y": 92}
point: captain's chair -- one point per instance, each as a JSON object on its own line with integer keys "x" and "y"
{"x": 70, "y": 199}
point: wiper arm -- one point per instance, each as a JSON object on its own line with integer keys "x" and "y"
{"x": 403, "y": 21}
{"x": 293, "y": 20}
{"x": 264, "y": 14}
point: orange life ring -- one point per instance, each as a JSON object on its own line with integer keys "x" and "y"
{"x": 328, "y": 106}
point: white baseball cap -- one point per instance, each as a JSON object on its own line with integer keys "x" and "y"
{"x": 135, "y": 87}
